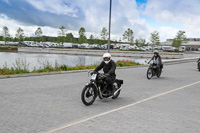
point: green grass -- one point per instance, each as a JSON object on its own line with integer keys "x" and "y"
{"x": 21, "y": 67}
{"x": 8, "y": 48}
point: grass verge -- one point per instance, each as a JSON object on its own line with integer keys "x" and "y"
{"x": 21, "y": 67}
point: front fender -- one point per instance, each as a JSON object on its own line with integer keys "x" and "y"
{"x": 90, "y": 84}
{"x": 93, "y": 85}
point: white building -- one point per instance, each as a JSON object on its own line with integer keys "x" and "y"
{"x": 191, "y": 44}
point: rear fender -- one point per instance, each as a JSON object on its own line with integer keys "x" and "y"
{"x": 119, "y": 82}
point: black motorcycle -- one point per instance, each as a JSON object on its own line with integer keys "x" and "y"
{"x": 98, "y": 87}
{"x": 198, "y": 64}
{"x": 153, "y": 70}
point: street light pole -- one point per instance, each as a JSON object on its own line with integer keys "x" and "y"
{"x": 109, "y": 27}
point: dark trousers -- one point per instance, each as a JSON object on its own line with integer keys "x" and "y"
{"x": 110, "y": 80}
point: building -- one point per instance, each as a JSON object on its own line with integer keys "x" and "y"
{"x": 192, "y": 44}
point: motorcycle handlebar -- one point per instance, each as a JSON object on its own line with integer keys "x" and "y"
{"x": 93, "y": 72}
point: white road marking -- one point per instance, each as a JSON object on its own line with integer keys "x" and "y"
{"x": 117, "y": 109}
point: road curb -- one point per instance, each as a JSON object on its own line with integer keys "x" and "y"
{"x": 167, "y": 62}
{"x": 178, "y": 61}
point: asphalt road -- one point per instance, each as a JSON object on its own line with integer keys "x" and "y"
{"x": 51, "y": 103}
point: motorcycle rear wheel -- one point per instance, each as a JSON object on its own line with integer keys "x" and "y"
{"x": 88, "y": 95}
{"x": 149, "y": 73}
{"x": 199, "y": 66}
{"x": 116, "y": 87}
{"x": 159, "y": 73}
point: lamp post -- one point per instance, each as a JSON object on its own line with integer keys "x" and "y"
{"x": 109, "y": 27}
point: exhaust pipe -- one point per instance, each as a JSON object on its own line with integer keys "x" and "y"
{"x": 116, "y": 91}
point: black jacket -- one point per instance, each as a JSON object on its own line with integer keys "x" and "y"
{"x": 107, "y": 68}
{"x": 159, "y": 58}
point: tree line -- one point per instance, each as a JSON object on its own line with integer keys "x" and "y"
{"x": 63, "y": 36}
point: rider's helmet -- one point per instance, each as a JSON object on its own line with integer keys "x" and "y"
{"x": 156, "y": 52}
{"x": 106, "y": 58}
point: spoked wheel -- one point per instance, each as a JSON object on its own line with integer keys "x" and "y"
{"x": 116, "y": 86}
{"x": 199, "y": 66}
{"x": 159, "y": 73}
{"x": 88, "y": 95}
{"x": 149, "y": 73}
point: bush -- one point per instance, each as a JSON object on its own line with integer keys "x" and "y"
{"x": 122, "y": 63}
{"x": 63, "y": 67}
{"x": 7, "y": 71}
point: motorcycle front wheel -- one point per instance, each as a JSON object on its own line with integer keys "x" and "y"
{"x": 149, "y": 73}
{"x": 88, "y": 95}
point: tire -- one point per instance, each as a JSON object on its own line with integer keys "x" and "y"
{"x": 199, "y": 66}
{"x": 88, "y": 95}
{"x": 149, "y": 73}
{"x": 116, "y": 86}
{"x": 159, "y": 73}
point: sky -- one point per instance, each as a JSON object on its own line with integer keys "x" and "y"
{"x": 142, "y": 16}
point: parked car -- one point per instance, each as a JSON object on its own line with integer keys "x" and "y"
{"x": 67, "y": 45}
{"x": 125, "y": 46}
{"x": 167, "y": 48}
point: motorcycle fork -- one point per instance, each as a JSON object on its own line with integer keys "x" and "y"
{"x": 99, "y": 91}
{"x": 153, "y": 72}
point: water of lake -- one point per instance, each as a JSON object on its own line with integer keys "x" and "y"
{"x": 39, "y": 60}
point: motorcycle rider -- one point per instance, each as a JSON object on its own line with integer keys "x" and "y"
{"x": 157, "y": 61}
{"x": 109, "y": 67}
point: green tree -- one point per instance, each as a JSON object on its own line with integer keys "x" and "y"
{"x": 91, "y": 36}
{"x": 15, "y": 39}
{"x": 104, "y": 34}
{"x": 128, "y": 35}
{"x": 1, "y": 38}
{"x": 6, "y": 34}
{"x": 81, "y": 31}
{"x": 69, "y": 37}
{"x": 38, "y": 34}
{"x": 179, "y": 39}
{"x": 155, "y": 38}
{"x": 20, "y": 34}
{"x": 140, "y": 42}
{"x": 82, "y": 38}
{"x": 62, "y": 33}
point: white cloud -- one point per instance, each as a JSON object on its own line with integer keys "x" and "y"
{"x": 182, "y": 12}
{"x": 168, "y": 32}
{"x": 124, "y": 15}
{"x": 13, "y": 25}
{"x": 58, "y": 7}
{"x": 7, "y": 1}
{"x": 93, "y": 15}
{"x": 10, "y": 23}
